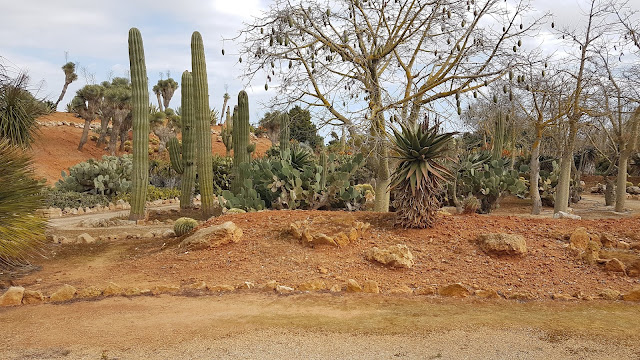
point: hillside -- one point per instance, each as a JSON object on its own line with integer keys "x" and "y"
{"x": 56, "y": 147}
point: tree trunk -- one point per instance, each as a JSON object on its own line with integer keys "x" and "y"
{"x": 118, "y": 118}
{"x": 159, "y": 102}
{"x": 85, "y": 134}
{"x": 104, "y": 125}
{"x": 534, "y": 174}
{"x": 609, "y": 192}
{"x": 621, "y": 193}
{"x": 64, "y": 91}
{"x": 564, "y": 179}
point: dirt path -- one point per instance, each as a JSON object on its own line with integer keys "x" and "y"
{"x": 320, "y": 326}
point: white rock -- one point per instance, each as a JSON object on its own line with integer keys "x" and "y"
{"x": 564, "y": 215}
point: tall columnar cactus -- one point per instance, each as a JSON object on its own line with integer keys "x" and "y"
{"x": 188, "y": 142}
{"x": 284, "y": 133}
{"x": 498, "y": 137}
{"x": 202, "y": 121}
{"x": 241, "y": 149}
{"x": 140, "y": 118}
{"x": 325, "y": 169}
{"x": 225, "y": 133}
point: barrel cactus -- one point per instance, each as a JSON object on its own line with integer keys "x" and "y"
{"x": 470, "y": 205}
{"x": 184, "y": 225}
{"x": 140, "y": 123}
{"x": 202, "y": 124}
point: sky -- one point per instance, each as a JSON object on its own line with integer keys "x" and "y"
{"x": 35, "y": 36}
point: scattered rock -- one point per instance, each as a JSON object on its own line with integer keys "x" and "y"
{"x": 609, "y": 294}
{"x": 427, "y": 290}
{"x": 565, "y": 215}
{"x": 313, "y": 285}
{"x": 455, "y": 290}
{"x": 213, "y": 236}
{"x": 235, "y": 211}
{"x": 353, "y": 286}
{"x": 634, "y": 190}
{"x": 521, "y": 296}
{"x": 634, "y": 269}
{"x": 165, "y": 289}
{"x": 633, "y": 295}
{"x": 147, "y": 235}
{"x": 397, "y": 256}
{"x": 502, "y": 244}
{"x": 248, "y": 285}
{"x": 85, "y": 238}
{"x": 270, "y": 285}
{"x": 281, "y": 289}
{"x": 198, "y": 285}
{"x": 592, "y": 253}
{"x": 635, "y": 245}
{"x": 401, "y": 290}
{"x": 614, "y": 265}
{"x": 328, "y": 231}
{"x": 487, "y": 294}
{"x": 221, "y": 288}
{"x": 113, "y": 289}
{"x": 89, "y": 292}
{"x": 134, "y": 291}
{"x": 323, "y": 270}
{"x": 579, "y": 238}
{"x": 64, "y": 293}
{"x": 623, "y": 245}
{"x": 371, "y": 287}
{"x": 560, "y": 296}
{"x": 336, "y": 288}
{"x": 12, "y": 297}
{"x": 32, "y": 297}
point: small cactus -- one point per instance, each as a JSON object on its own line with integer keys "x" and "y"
{"x": 470, "y": 205}
{"x": 184, "y": 225}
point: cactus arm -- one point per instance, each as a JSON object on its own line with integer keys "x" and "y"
{"x": 140, "y": 110}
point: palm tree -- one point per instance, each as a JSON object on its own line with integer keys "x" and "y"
{"x": 69, "y": 77}
{"x": 419, "y": 177}
{"x": 166, "y": 88}
{"x": 86, "y": 103}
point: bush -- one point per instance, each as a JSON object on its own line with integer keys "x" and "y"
{"x": 71, "y": 199}
{"x": 153, "y": 194}
{"x": 109, "y": 176}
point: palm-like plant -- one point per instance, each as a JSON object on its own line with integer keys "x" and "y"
{"x": 18, "y": 111}
{"x": 420, "y": 175}
{"x": 69, "y": 77}
{"x": 20, "y": 231}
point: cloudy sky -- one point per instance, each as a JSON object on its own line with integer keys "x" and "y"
{"x": 35, "y": 35}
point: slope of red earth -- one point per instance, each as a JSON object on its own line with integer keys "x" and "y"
{"x": 55, "y": 149}
{"x": 444, "y": 254}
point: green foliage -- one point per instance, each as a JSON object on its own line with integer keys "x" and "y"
{"x": 281, "y": 185}
{"x": 419, "y": 175}
{"x": 222, "y": 173}
{"x": 302, "y": 129}
{"x": 20, "y": 195}
{"x": 184, "y": 225}
{"x": 153, "y": 194}
{"x": 18, "y": 111}
{"x": 248, "y": 198}
{"x": 71, "y": 199}
{"x": 109, "y": 176}
{"x": 488, "y": 179}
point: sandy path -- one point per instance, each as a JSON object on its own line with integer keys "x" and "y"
{"x": 321, "y": 326}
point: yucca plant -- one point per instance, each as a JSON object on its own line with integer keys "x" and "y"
{"x": 420, "y": 174}
{"x": 21, "y": 232}
{"x": 18, "y": 111}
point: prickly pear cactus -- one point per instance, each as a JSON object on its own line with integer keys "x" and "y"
{"x": 184, "y": 225}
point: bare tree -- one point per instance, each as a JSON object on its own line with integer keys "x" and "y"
{"x": 360, "y": 62}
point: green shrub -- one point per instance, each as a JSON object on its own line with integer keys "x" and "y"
{"x": 71, "y": 199}
{"x": 153, "y": 194}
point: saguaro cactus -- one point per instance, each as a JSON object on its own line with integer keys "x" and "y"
{"x": 284, "y": 133}
{"x": 241, "y": 149}
{"x": 188, "y": 142}
{"x": 225, "y": 133}
{"x": 325, "y": 170}
{"x": 140, "y": 118}
{"x": 174, "y": 155}
{"x": 498, "y": 137}
{"x": 202, "y": 128}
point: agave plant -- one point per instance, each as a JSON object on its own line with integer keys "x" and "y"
{"x": 420, "y": 174}
{"x": 20, "y": 195}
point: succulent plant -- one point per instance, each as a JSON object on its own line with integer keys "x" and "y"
{"x": 470, "y": 205}
{"x": 184, "y": 225}
{"x": 140, "y": 103}
{"x": 241, "y": 153}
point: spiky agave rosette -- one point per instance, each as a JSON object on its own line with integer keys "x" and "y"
{"x": 420, "y": 174}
